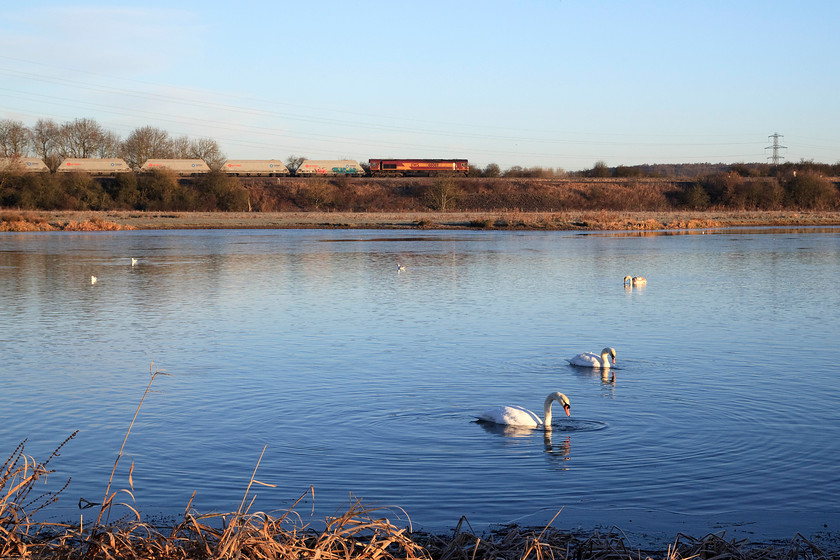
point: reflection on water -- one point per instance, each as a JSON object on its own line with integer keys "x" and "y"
{"x": 362, "y": 378}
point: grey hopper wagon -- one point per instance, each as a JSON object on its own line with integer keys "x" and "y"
{"x": 183, "y": 167}
{"x": 23, "y": 164}
{"x": 94, "y": 166}
{"x": 255, "y": 168}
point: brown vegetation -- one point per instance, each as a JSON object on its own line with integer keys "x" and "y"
{"x": 600, "y": 220}
{"x": 794, "y": 188}
{"x": 38, "y": 221}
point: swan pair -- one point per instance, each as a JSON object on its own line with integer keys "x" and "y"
{"x": 634, "y": 280}
{"x": 513, "y": 415}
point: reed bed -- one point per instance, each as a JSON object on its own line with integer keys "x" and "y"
{"x": 359, "y": 533}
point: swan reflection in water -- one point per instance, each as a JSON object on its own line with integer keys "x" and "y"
{"x": 559, "y": 448}
{"x": 558, "y": 452}
{"x": 607, "y": 376}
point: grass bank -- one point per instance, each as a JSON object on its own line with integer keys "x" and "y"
{"x": 514, "y": 220}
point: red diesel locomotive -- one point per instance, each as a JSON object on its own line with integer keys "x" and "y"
{"x": 418, "y": 167}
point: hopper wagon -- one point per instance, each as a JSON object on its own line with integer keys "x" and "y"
{"x": 255, "y": 168}
{"x": 182, "y": 167}
{"x": 94, "y": 166}
{"x": 418, "y": 167}
{"x": 322, "y": 168}
{"x": 25, "y": 164}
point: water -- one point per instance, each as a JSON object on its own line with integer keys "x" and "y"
{"x": 362, "y": 381}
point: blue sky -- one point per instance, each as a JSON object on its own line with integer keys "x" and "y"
{"x": 559, "y": 84}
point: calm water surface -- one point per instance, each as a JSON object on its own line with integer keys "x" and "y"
{"x": 363, "y": 381}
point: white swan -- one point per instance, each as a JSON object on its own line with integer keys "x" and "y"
{"x": 635, "y": 280}
{"x": 518, "y": 416}
{"x": 133, "y": 261}
{"x": 593, "y": 360}
{"x": 93, "y": 279}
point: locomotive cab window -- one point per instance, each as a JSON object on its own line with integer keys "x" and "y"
{"x": 389, "y": 166}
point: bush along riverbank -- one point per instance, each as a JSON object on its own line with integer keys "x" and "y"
{"x": 795, "y": 187}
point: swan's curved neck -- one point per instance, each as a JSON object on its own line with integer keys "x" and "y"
{"x": 547, "y": 411}
{"x": 605, "y": 359}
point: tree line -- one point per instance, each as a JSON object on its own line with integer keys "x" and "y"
{"x": 85, "y": 138}
{"x": 805, "y": 185}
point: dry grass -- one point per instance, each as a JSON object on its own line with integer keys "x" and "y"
{"x": 594, "y": 220}
{"x": 358, "y": 533}
{"x": 42, "y": 221}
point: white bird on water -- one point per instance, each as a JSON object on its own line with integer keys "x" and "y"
{"x": 634, "y": 280}
{"x": 400, "y": 267}
{"x": 93, "y": 279}
{"x": 593, "y": 360}
{"x": 512, "y": 415}
{"x": 133, "y": 261}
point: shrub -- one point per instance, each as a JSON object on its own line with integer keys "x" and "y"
{"x": 812, "y": 191}
{"x": 442, "y": 195}
{"x": 694, "y": 197}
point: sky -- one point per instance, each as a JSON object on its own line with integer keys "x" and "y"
{"x": 558, "y": 84}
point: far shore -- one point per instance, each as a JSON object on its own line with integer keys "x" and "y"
{"x": 603, "y": 220}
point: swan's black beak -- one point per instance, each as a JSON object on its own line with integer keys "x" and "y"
{"x": 568, "y": 409}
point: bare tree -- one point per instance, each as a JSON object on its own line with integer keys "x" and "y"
{"x": 146, "y": 143}
{"x": 46, "y": 139}
{"x": 181, "y": 148}
{"x": 442, "y": 195}
{"x": 110, "y": 147}
{"x": 81, "y": 138}
{"x": 293, "y": 162}
{"x": 14, "y": 138}
{"x": 208, "y": 150}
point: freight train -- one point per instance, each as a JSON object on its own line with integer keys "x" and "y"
{"x": 251, "y": 167}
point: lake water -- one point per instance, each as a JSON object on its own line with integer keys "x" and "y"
{"x": 363, "y": 381}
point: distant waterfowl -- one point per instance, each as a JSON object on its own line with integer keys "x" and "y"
{"x": 133, "y": 261}
{"x": 93, "y": 279}
{"x": 593, "y": 360}
{"x": 400, "y": 267}
{"x": 512, "y": 415}
{"x": 634, "y": 280}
